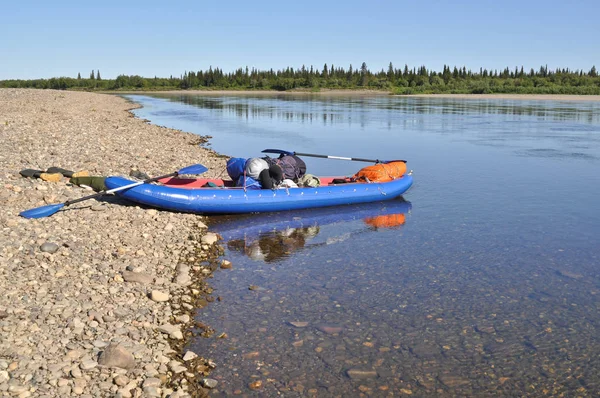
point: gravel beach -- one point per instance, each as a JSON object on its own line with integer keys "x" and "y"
{"x": 97, "y": 299}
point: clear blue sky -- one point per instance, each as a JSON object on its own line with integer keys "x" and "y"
{"x": 43, "y": 39}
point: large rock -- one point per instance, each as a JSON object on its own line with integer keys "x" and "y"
{"x": 116, "y": 355}
{"x": 49, "y": 247}
{"x": 138, "y": 277}
{"x": 210, "y": 238}
{"x": 158, "y": 296}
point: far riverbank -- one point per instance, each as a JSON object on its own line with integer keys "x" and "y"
{"x": 527, "y": 97}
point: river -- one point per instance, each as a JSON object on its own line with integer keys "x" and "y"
{"x": 483, "y": 280}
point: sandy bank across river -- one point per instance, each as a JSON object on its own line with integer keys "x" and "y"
{"x": 97, "y": 299}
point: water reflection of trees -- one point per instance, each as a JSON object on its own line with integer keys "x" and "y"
{"x": 331, "y": 110}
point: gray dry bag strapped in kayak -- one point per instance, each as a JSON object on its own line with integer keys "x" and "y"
{"x": 293, "y": 167}
{"x": 254, "y": 166}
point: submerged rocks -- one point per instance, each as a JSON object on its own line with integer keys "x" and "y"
{"x": 360, "y": 374}
{"x": 208, "y": 383}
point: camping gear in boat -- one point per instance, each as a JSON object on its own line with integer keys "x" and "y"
{"x": 46, "y": 211}
{"x": 248, "y": 182}
{"x": 236, "y": 167}
{"x": 292, "y": 166}
{"x": 254, "y": 166}
{"x": 381, "y": 172}
{"x": 309, "y": 180}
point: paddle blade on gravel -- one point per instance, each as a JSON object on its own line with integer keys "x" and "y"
{"x": 44, "y": 211}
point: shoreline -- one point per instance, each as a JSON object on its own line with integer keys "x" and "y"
{"x": 527, "y": 97}
{"x": 367, "y": 93}
{"x": 98, "y": 299}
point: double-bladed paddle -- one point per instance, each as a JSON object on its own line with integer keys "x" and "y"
{"x": 46, "y": 211}
{"x": 283, "y": 152}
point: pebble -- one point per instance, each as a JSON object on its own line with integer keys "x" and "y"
{"x": 158, "y": 296}
{"x": 76, "y": 372}
{"x": 208, "y": 383}
{"x": 152, "y": 382}
{"x": 256, "y": 385}
{"x": 17, "y": 389}
{"x": 176, "y": 367}
{"x": 189, "y": 356}
{"x": 330, "y": 329}
{"x": 138, "y": 277}
{"x": 121, "y": 380}
{"x": 172, "y": 330}
{"x": 210, "y": 238}
{"x": 49, "y": 247}
{"x": 183, "y": 318}
{"x": 88, "y": 364}
{"x": 116, "y": 355}
{"x": 299, "y": 324}
{"x": 361, "y": 373}
{"x": 152, "y": 392}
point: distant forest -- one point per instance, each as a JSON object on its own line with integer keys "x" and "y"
{"x": 395, "y": 80}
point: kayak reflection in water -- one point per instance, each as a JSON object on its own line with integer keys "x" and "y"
{"x": 273, "y": 246}
{"x": 272, "y": 237}
{"x": 278, "y": 244}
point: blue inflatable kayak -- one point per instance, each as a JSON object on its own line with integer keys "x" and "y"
{"x": 191, "y": 196}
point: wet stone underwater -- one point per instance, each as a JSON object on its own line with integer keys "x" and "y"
{"x": 484, "y": 281}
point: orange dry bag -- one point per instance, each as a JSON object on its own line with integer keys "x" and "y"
{"x": 381, "y": 172}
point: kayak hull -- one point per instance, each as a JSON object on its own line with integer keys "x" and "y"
{"x": 222, "y": 200}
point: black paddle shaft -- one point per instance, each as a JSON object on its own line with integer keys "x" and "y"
{"x": 344, "y": 158}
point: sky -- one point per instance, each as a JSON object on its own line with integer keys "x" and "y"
{"x": 44, "y": 39}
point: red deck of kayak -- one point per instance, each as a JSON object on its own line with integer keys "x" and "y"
{"x": 193, "y": 183}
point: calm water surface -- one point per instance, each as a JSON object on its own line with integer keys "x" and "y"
{"x": 483, "y": 280}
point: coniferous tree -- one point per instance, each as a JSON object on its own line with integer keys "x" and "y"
{"x": 390, "y": 72}
{"x": 364, "y": 79}
{"x": 98, "y": 75}
{"x": 78, "y": 76}
{"x": 92, "y": 75}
